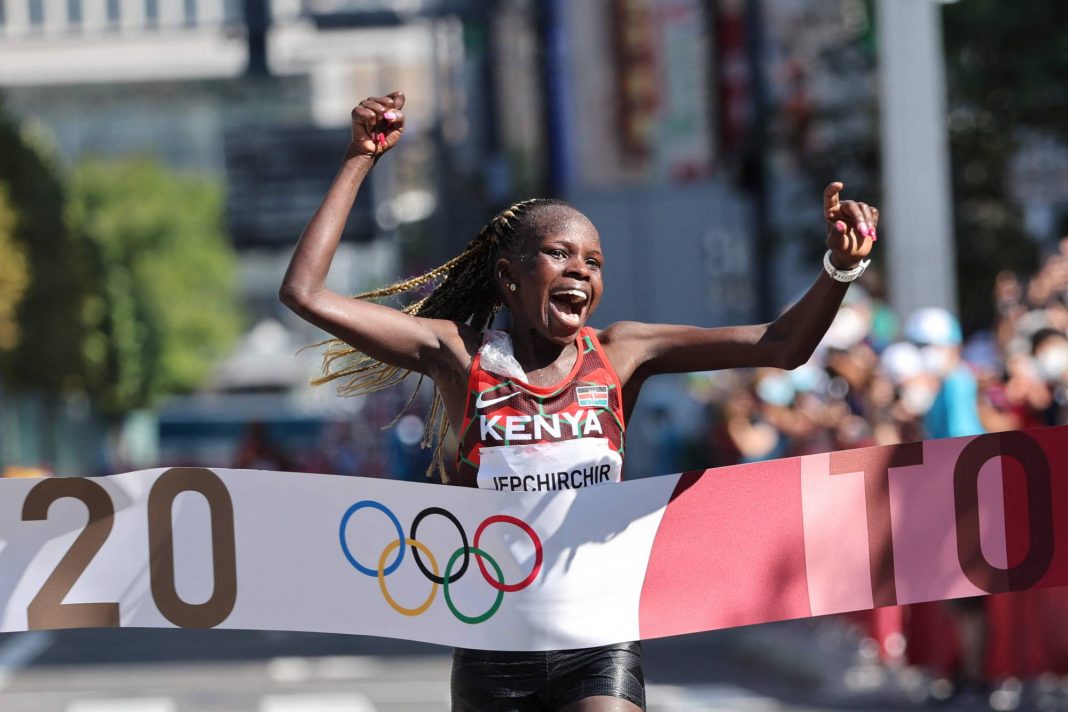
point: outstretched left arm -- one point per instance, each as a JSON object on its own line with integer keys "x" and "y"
{"x": 643, "y": 350}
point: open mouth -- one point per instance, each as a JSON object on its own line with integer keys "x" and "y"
{"x": 569, "y": 305}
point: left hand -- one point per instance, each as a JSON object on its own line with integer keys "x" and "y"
{"x": 851, "y": 227}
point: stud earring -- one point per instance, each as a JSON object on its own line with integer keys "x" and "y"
{"x": 512, "y": 286}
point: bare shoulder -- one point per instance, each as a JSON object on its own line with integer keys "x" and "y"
{"x": 636, "y": 342}
{"x": 639, "y": 337}
{"x": 622, "y": 331}
{"x": 625, "y": 344}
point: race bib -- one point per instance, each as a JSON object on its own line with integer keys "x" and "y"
{"x": 549, "y": 467}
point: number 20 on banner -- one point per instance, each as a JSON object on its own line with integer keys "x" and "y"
{"x": 47, "y": 609}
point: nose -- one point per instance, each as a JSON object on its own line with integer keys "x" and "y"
{"x": 577, "y": 267}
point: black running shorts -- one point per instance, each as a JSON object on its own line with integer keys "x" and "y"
{"x": 494, "y": 681}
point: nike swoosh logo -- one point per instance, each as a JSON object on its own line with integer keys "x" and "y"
{"x": 482, "y": 403}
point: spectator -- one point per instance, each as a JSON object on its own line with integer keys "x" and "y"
{"x": 955, "y": 411}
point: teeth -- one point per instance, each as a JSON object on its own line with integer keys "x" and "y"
{"x": 575, "y": 294}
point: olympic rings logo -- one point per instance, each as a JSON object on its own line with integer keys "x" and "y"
{"x": 434, "y": 574}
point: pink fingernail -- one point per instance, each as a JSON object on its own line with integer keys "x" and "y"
{"x": 874, "y": 237}
{"x": 840, "y": 226}
{"x": 862, "y": 228}
{"x": 381, "y": 138}
{"x": 389, "y": 115}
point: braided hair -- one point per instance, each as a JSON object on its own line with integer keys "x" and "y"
{"x": 463, "y": 291}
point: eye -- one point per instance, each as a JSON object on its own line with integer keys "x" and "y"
{"x": 593, "y": 264}
{"x": 556, "y": 253}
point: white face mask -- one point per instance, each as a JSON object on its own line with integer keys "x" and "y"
{"x": 1052, "y": 363}
{"x": 917, "y": 398}
{"x": 938, "y": 360}
{"x": 776, "y": 390}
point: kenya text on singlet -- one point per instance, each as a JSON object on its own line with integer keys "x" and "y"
{"x": 516, "y": 436}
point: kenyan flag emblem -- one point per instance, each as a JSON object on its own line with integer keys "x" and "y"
{"x": 592, "y": 396}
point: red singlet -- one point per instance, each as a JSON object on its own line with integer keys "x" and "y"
{"x": 516, "y": 436}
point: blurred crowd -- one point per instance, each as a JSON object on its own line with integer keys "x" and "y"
{"x": 880, "y": 379}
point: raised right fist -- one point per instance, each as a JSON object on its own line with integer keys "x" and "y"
{"x": 377, "y": 124}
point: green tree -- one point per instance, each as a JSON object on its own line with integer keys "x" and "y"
{"x": 166, "y": 309}
{"x": 14, "y": 273}
{"x": 1006, "y": 64}
{"x": 47, "y": 355}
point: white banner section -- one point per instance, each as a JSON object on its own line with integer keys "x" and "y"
{"x": 192, "y": 547}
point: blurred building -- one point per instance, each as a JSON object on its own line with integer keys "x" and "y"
{"x": 648, "y": 122}
{"x": 257, "y": 94}
{"x": 634, "y": 121}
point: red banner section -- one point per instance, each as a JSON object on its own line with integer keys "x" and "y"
{"x": 718, "y": 524}
{"x": 860, "y": 529}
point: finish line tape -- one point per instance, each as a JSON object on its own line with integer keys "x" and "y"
{"x": 789, "y": 538}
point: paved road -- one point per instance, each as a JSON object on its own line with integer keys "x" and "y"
{"x": 792, "y": 667}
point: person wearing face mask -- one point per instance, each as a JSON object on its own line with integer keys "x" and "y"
{"x": 1049, "y": 348}
{"x": 955, "y": 411}
{"x": 1014, "y": 398}
{"x": 913, "y": 392}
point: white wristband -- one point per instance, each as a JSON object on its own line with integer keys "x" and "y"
{"x": 843, "y": 275}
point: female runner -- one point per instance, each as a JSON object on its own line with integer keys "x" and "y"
{"x": 542, "y": 260}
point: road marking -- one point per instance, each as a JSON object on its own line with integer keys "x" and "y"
{"x": 346, "y": 667}
{"x": 289, "y": 670}
{"x": 20, "y": 650}
{"x": 143, "y": 704}
{"x": 411, "y": 692}
{"x": 667, "y": 698}
{"x": 337, "y": 668}
{"x": 349, "y": 702}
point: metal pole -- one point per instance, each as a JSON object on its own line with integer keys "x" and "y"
{"x": 917, "y": 221}
{"x": 554, "y": 81}
{"x": 755, "y": 165}
{"x": 257, "y": 22}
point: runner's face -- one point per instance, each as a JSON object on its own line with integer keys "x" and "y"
{"x": 559, "y": 281}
